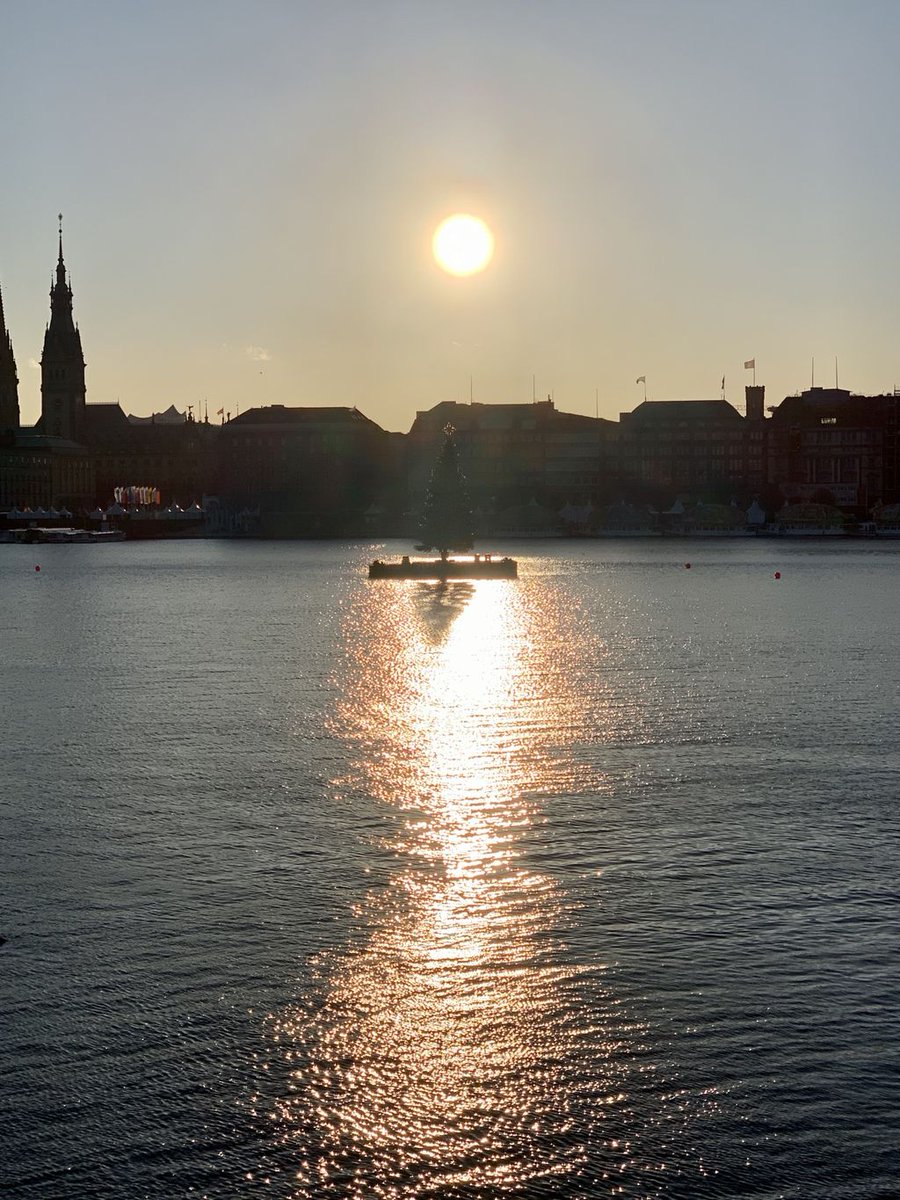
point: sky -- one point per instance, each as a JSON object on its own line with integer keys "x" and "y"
{"x": 249, "y": 192}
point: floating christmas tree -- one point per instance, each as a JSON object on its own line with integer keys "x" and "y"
{"x": 447, "y": 520}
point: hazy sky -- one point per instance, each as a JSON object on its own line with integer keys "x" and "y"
{"x": 249, "y": 192}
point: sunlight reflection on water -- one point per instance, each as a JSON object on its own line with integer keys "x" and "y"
{"x": 442, "y": 1051}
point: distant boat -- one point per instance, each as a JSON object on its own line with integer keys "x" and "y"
{"x": 447, "y": 528}
{"x": 65, "y": 536}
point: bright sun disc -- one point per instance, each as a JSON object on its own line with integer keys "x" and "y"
{"x": 462, "y": 244}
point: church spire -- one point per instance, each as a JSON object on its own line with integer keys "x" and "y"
{"x": 9, "y": 379}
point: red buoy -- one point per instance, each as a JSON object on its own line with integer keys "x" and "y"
{"x": 777, "y": 574}
{"x": 687, "y": 566}
{"x": 37, "y": 568}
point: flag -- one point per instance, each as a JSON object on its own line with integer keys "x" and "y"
{"x": 220, "y": 412}
{"x": 750, "y": 364}
{"x": 641, "y": 379}
{"x": 723, "y": 383}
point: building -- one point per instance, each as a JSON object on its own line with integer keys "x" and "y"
{"x": 830, "y": 445}
{"x": 63, "y": 391}
{"x": 26, "y": 474}
{"x": 38, "y": 470}
{"x": 78, "y": 453}
{"x": 511, "y": 454}
{"x": 704, "y": 449}
{"x": 308, "y": 471}
{"x": 9, "y": 380}
{"x": 169, "y": 451}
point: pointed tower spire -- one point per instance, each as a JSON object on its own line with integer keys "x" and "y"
{"x": 62, "y": 363}
{"x": 9, "y": 379}
{"x": 61, "y": 286}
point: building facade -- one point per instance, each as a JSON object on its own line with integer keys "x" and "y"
{"x": 831, "y": 445}
{"x": 511, "y": 454}
{"x": 704, "y": 448}
{"x": 307, "y": 471}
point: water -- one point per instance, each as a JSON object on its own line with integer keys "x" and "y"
{"x": 581, "y": 885}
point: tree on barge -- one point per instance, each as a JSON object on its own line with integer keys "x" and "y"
{"x": 446, "y": 528}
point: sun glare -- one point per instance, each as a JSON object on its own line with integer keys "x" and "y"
{"x": 463, "y": 244}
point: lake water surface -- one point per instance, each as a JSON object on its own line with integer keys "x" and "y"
{"x": 581, "y": 885}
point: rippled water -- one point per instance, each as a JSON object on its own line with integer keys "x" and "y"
{"x": 580, "y": 885}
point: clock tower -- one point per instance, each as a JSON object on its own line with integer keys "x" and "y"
{"x": 62, "y": 363}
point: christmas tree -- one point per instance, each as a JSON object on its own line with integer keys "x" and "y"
{"x": 447, "y": 520}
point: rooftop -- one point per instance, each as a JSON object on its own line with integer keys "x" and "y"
{"x": 280, "y": 414}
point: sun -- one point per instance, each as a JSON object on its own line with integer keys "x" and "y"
{"x": 462, "y": 244}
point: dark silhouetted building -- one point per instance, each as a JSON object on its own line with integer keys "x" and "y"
{"x": 9, "y": 380}
{"x": 511, "y": 454}
{"x": 309, "y": 471}
{"x": 169, "y": 451}
{"x": 63, "y": 391}
{"x": 78, "y": 453}
{"x": 37, "y": 469}
{"x": 703, "y": 448}
{"x": 828, "y": 444}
